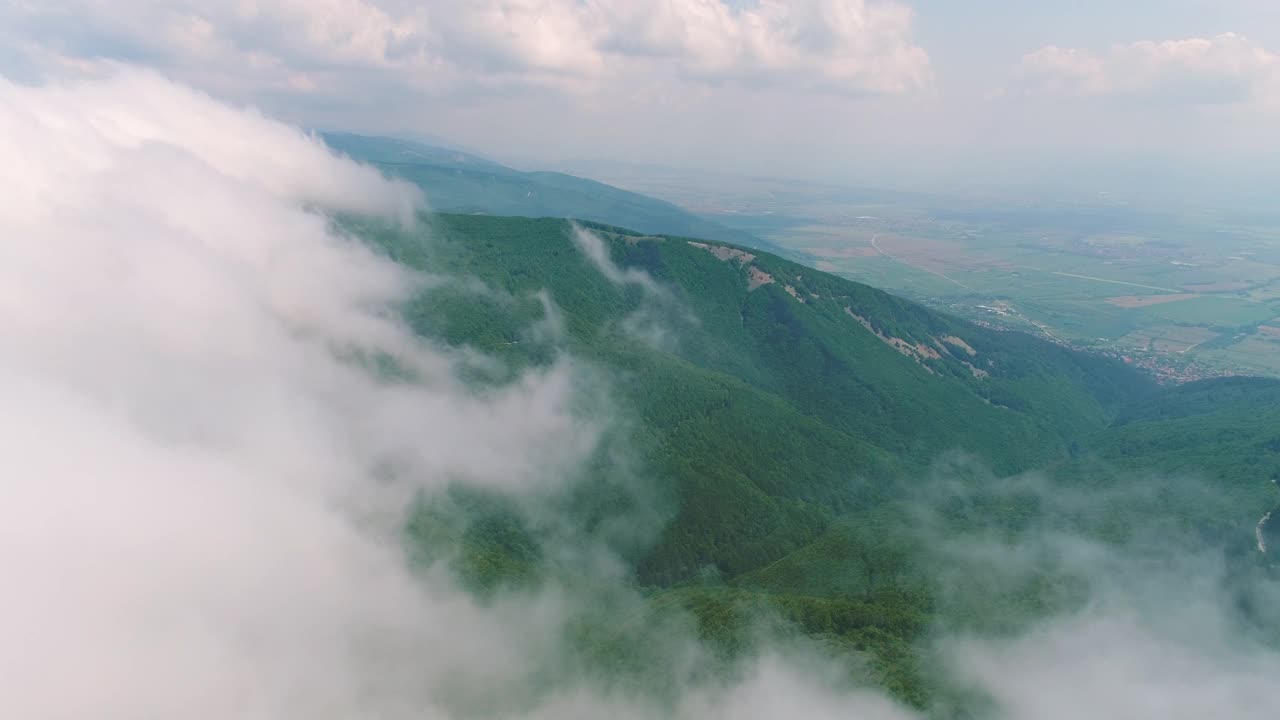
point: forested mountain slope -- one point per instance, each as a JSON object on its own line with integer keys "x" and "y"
{"x": 795, "y": 425}
{"x": 1225, "y": 429}
{"x": 770, "y": 395}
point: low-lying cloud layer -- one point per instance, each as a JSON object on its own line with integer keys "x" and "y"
{"x": 209, "y": 464}
{"x": 1152, "y": 623}
{"x": 205, "y": 477}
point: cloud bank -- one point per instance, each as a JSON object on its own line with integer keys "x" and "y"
{"x": 206, "y": 476}
{"x": 215, "y": 424}
{"x": 1222, "y": 69}
{"x": 299, "y": 47}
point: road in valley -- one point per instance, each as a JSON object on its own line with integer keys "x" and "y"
{"x": 880, "y": 250}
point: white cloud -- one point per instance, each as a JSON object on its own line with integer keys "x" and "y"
{"x": 1116, "y": 663}
{"x": 843, "y": 44}
{"x": 202, "y": 498}
{"x": 661, "y": 318}
{"x": 857, "y": 46}
{"x": 598, "y": 254}
{"x": 1223, "y": 69}
{"x": 1154, "y": 625}
{"x": 204, "y": 484}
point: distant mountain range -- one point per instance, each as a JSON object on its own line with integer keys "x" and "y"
{"x": 457, "y": 181}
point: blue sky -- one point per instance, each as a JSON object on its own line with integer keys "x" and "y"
{"x": 898, "y": 92}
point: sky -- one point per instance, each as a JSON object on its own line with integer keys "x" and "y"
{"x": 208, "y": 463}
{"x": 890, "y": 92}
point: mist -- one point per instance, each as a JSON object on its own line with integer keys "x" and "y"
{"x": 1107, "y": 602}
{"x": 207, "y": 478}
{"x": 217, "y": 427}
{"x": 209, "y": 469}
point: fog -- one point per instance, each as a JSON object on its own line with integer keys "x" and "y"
{"x": 209, "y": 466}
{"x": 1132, "y": 613}
{"x": 207, "y": 476}
{"x": 660, "y": 321}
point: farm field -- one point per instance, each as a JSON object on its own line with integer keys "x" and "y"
{"x": 1259, "y": 353}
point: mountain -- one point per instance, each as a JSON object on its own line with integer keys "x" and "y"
{"x": 458, "y": 181}
{"x": 395, "y": 152}
{"x": 778, "y": 385}
{"x": 815, "y": 444}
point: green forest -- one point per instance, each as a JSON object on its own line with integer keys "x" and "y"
{"x": 790, "y": 454}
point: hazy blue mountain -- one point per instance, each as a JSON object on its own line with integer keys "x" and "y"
{"x": 457, "y": 181}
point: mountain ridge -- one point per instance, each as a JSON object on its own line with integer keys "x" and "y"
{"x": 794, "y": 427}
{"x": 459, "y": 181}
{"x": 787, "y": 350}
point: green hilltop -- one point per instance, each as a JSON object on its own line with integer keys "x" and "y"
{"x": 788, "y": 426}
